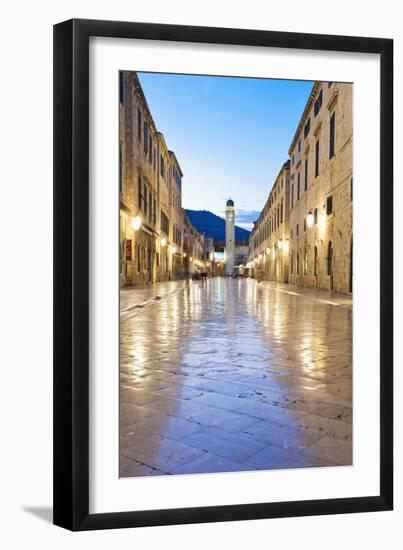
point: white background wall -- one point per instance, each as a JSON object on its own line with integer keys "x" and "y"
{"x": 26, "y": 279}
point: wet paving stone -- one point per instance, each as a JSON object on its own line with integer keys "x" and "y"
{"x": 280, "y": 458}
{"x": 132, "y": 468}
{"x": 208, "y": 463}
{"x": 328, "y": 448}
{"x": 229, "y": 375}
{"x": 157, "y": 452}
{"x": 235, "y": 446}
{"x": 282, "y": 436}
{"x": 170, "y": 426}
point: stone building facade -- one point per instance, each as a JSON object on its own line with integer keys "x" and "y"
{"x": 139, "y": 184}
{"x": 152, "y": 220}
{"x": 269, "y": 240}
{"x": 314, "y": 242}
{"x": 321, "y": 175}
{"x": 193, "y": 247}
{"x": 177, "y": 217}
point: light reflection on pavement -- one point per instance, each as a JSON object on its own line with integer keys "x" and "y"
{"x": 233, "y": 375}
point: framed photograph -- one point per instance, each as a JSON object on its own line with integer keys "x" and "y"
{"x": 223, "y": 236}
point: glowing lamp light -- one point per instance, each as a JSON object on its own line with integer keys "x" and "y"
{"x": 280, "y": 244}
{"x": 163, "y": 241}
{"x": 268, "y": 251}
{"x": 191, "y": 259}
{"x": 309, "y": 219}
{"x": 136, "y": 223}
{"x": 174, "y": 250}
{"x": 184, "y": 254}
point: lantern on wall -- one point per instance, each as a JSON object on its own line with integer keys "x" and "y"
{"x": 136, "y": 223}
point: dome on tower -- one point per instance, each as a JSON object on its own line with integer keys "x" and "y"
{"x": 230, "y": 202}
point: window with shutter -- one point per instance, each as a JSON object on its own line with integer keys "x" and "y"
{"x": 318, "y": 103}
{"x": 306, "y": 175}
{"x": 120, "y": 168}
{"x": 332, "y": 135}
{"x": 139, "y": 125}
{"x": 329, "y": 205}
{"x": 145, "y": 137}
{"x": 145, "y": 199}
{"x": 307, "y": 127}
{"x": 121, "y": 88}
{"x": 298, "y": 186}
{"x": 139, "y": 191}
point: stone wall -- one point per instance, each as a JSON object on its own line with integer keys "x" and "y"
{"x": 314, "y": 244}
{"x": 323, "y": 249}
{"x": 269, "y": 241}
{"x": 150, "y": 180}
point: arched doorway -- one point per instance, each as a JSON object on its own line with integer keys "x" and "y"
{"x": 315, "y": 266}
{"x": 350, "y": 282}
{"x": 330, "y": 255}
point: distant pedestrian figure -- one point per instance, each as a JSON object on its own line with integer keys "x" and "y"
{"x": 204, "y": 275}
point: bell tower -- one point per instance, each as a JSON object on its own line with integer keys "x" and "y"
{"x": 229, "y": 237}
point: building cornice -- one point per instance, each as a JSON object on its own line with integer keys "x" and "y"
{"x": 176, "y": 162}
{"x": 285, "y": 167}
{"x": 123, "y": 205}
{"x": 139, "y": 90}
{"x": 332, "y": 101}
{"x": 317, "y": 128}
{"x": 311, "y": 98}
{"x": 162, "y": 139}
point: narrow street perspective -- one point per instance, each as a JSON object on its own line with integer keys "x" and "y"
{"x": 236, "y": 283}
{"x": 231, "y": 375}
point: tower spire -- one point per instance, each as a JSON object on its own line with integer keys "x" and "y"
{"x": 229, "y": 237}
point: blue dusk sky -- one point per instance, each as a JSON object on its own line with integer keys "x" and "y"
{"x": 230, "y": 135}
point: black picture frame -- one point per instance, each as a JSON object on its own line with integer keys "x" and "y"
{"x": 71, "y": 274}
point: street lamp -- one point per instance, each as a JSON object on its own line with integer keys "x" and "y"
{"x": 309, "y": 219}
{"x": 136, "y": 223}
{"x": 184, "y": 254}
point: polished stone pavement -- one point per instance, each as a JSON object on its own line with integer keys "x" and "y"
{"x": 232, "y": 375}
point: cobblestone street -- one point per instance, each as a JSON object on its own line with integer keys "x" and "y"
{"x": 231, "y": 375}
